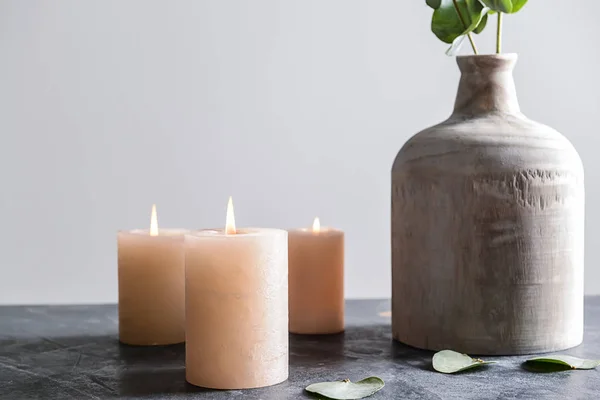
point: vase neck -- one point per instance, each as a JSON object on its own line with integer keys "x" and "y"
{"x": 486, "y": 85}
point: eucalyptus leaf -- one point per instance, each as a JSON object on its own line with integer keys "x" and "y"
{"x": 346, "y": 390}
{"x": 567, "y": 361}
{"x": 435, "y": 4}
{"x": 505, "y": 6}
{"x": 447, "y": 24}
{"x": 517, "y": 5}
{"x": 449, "y": 362}
{"x": 481, "y": 25}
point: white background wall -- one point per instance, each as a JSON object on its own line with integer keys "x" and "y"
{"x": 296, "y": 108}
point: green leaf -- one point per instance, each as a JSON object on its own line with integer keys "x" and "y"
{"x": 346, "y": 390}
{"x": 504, "y": 6}
{"x": 517, "y": 5}
{"x": 567, "y": 361}
{"x": 435, "y": 4}
{"x": 481, "y": 25}
{"x": 446, "y": 23}
{"x": 449, "y": 362}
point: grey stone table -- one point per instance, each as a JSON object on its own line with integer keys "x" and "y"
{"x": 72, "y": 352}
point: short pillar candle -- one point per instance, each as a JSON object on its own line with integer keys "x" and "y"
{"x": 236, "y": 308}
{"x": 151, "y": 269}
{"x": 316, "y": 280}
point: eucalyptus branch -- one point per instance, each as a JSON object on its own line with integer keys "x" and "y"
{"x": 453, "y": 20}
{"x": 462, "y": 19}
{"x": 499, "y": 34}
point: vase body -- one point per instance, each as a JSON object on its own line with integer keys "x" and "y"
{"x": 488, "y": 226}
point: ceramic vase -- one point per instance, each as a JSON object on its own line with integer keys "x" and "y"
{"x": 488, "y": 226}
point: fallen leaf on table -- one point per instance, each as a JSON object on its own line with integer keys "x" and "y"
{"x": 566, "y": 361}
{"x": 346, "y": 390}
{"x": 449, "y": 362}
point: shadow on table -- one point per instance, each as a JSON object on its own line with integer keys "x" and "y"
{"x": 152, "y": 370}
{"x": 152, "y": 356}
{"x": 370, "y": 342}
{"x": 152, "y": 381}
{"x": 313, "y": 349}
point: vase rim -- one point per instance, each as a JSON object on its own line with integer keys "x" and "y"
{"x": 486, "y": 63}
{"x": 502, "y": 56}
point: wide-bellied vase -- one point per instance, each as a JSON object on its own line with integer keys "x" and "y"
{"x": 488, "y": 226}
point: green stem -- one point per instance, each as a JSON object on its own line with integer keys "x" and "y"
{"x": 499, "y": 34}
{"x": 462, "y": 19}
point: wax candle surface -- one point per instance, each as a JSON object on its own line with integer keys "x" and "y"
{"x": 151, "y": 287}
{"x": 236, "y": 308}
{"x": 316, "y": 281}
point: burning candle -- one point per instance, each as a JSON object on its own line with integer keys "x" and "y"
{"x": 236, "y": 307}
{"x": 151, "y": 285}
{"x": 316, "y": 280}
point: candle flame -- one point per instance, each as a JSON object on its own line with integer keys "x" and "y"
{"x": 153, "y": 222}
{"x": 316, "y": 225}
{"x": 230, "y": 219}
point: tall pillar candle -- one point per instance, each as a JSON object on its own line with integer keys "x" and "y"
{"x": 316, "y": 280}
{"x": 151, "y": 268}
{"x": 236, "y": 308}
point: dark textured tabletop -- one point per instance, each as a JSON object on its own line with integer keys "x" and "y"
{"x": 72, "y": 352}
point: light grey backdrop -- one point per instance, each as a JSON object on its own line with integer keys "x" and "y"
{"x": 295, "y": 108}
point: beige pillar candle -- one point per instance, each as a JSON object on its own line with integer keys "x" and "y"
{"x": 151, "y": 285}
{"x": 316, "y": 280}
{"x": 236, "y": 307}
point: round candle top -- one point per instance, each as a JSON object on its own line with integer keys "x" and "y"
{"x": 230, "y": 230}
{"x": 154, "y": 231}
{"x": 160, "y": 232}
{"x": 317, "y": 230}
{"x": 240, "y": 233}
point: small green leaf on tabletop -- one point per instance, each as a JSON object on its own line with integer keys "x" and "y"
{"x": 346, "y": 390}
{"x": 449, "y": 362}
{"x": 566, "y": 361}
